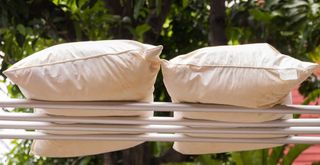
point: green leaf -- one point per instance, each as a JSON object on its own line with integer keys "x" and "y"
{"x": 182, "y": 163}
{"x": 158, "y": 6}
{"x": 77, "y": 3}
{"x": 295, "y": 4}
{"x": 315, "y": 7}
{"x": 314, "y": 95}
{"x": 159, "y": 148}
{"x": 140, "y": 30}
{"x": 294, "y": 153}
{"x": 21, "y": 29}
{"x": 236, "y": 157}
{"x": 208, "y": 160}
{"x": 260, "y": 15}
{"x": 254, "y": 157}
{"x": 137, "y": 7}
{"x": 88, "y": 4}
{"x": 276, "y": 155}
{"x": 271, "y": 3}
{"x": 315, "y": 55}
{"x": 298, "y": 17}
{"x": 85, "y": 161}
{"x": 287, "y": 33}
{"x": 185, "y": 3}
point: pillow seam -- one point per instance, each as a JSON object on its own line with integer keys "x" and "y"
{"x": 73, "y": 60}
{"x": 252, "y": 67}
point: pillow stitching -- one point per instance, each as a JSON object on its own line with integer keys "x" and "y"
{"x": 73, "y": 60}
{"x": 252, "y": 67}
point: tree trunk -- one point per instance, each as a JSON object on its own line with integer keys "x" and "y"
{"x": 108, "y": 160}
{"x": 64, "y": 28}
{"x": 217, "y": 24}
{"x": 125, "y": 11}
{"x": 156, "y": 20}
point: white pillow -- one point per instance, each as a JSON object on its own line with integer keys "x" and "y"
{"x": 71, "y": 148}
{"x": 206, "y": 148}
{"x": 113, "y": 70}
{"x": 253, "y": 75}
{"x": 197, "y": 148}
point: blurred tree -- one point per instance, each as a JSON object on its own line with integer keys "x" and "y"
{"x": 217, "y": 35}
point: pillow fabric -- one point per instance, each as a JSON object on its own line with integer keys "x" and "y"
{"x": 230, "y": 117}
{"x": 252, "y": 75}
{"x": 111, "y": 70}
{"x": 71, "y": 148}
{"x": 206, "y": 148}
{"x": 188, "y": 148}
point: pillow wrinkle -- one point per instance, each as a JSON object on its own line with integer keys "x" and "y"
{"x": 252, "y": 76}
{"x": 110, "y": 70}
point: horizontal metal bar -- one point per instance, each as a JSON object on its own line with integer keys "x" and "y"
{"x": 154, "y": 128}
{"x": 155, "y": 106}
{"x": 159, "y": 137}
{"x": 157, "y": 121}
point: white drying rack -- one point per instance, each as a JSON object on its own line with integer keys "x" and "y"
{"x": 299, "y": 131}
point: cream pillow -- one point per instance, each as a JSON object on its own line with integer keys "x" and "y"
{"x": 113, "y": 70}
{"x": 196, "y": 148}
{"x": 71, "y": 148}
{"x": 253, "y": 76}
{"x": 206, "y": 148}
{"x": 230, "y": 117}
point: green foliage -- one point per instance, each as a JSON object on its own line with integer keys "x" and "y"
{"x": 208, "y": 159}
{"x": 264, "y": 157}
{"x": 20, "y": 155}
{"x": 310, "y": 89}
{"x": 291, "y": 26}
{"x": 182, "y": 163}
{"x": 139, "y": 31}
{"x": 276, "y": 155}
{"x": 314, "y": 95}
{"x": 137, "y": 8}
{"x": 258, "y": 157}
{"x": 216, "y": 159}
{"x": 314, "y": 55}
{"x": 293, "y": 153}
{"x": 159, "y": 148}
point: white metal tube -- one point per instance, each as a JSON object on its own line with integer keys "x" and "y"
{"x": 157, "y": 121}
{"x": 156, "y": 106}
{"x": 155, "y": 128}
{"x": 159, "y": 137}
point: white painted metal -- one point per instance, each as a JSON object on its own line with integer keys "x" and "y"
{"x": 159, "y": 137}
{"x": 157, "y": 121}
{"x": 155, "y": 128}
{"x": 156, "y": 106}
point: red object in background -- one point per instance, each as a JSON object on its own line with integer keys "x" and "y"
{"x": 312, "y": 154}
